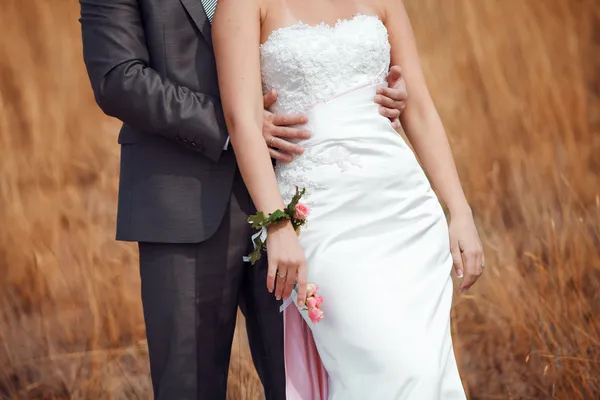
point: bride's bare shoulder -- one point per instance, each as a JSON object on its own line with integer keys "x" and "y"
{"x": 386, "y": 9}
{"x": 378, "y": 7}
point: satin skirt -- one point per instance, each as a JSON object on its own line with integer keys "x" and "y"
{"x": 377, "y": 245}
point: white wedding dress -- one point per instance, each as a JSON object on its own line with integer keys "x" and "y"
{"x": 376, "y": 240}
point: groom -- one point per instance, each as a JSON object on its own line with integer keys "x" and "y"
{"x": 181, "y": 197}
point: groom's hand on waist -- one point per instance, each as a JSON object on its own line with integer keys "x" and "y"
{"x": 279, "y": 131}
{"x": 392, "y": 99}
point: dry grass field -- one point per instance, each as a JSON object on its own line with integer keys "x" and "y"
{"x": 517, "y": 83}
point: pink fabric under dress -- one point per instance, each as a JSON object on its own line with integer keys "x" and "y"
{"x": 306, "y": 377}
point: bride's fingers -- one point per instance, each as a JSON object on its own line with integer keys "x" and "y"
{"x": 302, "y": 278}
{"x": 471, "y": 268}
{"x": 280, "y": 283}
{"x": 479, "y": 264}
{"x": 457, "y": 260}
{"x": 290, "y": 281}
{"x": 271, "y": 272}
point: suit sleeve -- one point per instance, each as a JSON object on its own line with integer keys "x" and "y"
{"x": 125, "y": 87}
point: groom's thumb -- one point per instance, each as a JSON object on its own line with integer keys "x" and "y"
{"x": 270, "y": 98}
{"x": 394, "y": 76}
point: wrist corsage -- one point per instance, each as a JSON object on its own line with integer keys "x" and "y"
{"x": 295, "y": 212}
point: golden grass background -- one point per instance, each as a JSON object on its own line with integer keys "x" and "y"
{"x": 517, "y": 83}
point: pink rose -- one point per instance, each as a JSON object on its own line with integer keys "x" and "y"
{"x": 311, "y": 303}
{"x": 301, "y": 211}
{"x": 311, "y": 289}
{"x": 315, "y": 314}
{"x": 318, "y": 299}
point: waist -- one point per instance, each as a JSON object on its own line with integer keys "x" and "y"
{"x": 348, "y": 135}
{"x": 350, "y": 115}
{"x": 352, "y": 120}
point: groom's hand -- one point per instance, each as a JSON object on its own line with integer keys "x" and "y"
{"x": 278, "y": 130}
{"x": 392, "y": 98}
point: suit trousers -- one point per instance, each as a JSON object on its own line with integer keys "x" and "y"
{"x": 190, "y": 295}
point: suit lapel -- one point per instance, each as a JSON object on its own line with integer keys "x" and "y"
{"x": 198, "y": 15}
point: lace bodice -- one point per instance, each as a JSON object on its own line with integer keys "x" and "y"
{"x": 311, "y": 64}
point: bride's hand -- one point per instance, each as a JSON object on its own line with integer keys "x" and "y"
{"x": 467, "y": 252}
{"x": 287, "y": 263}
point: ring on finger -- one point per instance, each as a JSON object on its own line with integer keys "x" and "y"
{"x": 282, "y": 276}
{"x": 271, "y": 141}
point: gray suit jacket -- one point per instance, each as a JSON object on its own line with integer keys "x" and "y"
{"x": 151, "y": 65}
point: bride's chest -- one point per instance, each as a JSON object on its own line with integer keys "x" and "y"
{"x": 358, "y": 45}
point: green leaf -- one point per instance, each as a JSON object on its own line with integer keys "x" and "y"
{"x": 257, "y": 220}
{"x": 276, "y": 217}
{"x": 255, "y": 255}
{"x": 291, "y": 208}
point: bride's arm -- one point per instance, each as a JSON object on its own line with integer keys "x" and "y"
{"x": 424, "y": 129}
{"x": 236, "y": 39}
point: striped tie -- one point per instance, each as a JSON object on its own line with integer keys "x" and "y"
{"x": 209, "y": 8}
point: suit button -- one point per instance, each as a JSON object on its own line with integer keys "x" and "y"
{"x": 185, "y": 141}
{"x": 194, "y": 144}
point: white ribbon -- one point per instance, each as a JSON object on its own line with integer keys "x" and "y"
{"x": 290, "y": 300}
{"x": 263, "y": 236}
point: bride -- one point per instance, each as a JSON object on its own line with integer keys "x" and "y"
{"x": 376, "y": 242}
